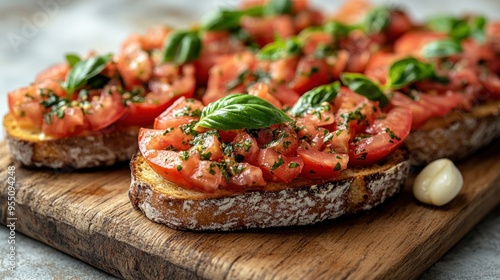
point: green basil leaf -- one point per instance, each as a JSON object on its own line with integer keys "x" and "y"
{"x": 407, "y": 71}
{"x": 220, "y": 20}
{"x": 441, "y": 48}
{"x": 459, "y": 28}
{"x": 172, "y": 44}
{"x": 477, "y": 29}
{"x": 361, "y": 84}
{"x": 313, "y": 99}
{"x": 337, "y": 29}
{"x": 72, "y": 59}
{"x": 377, "y": 20}
{"x": 83, "y": 71}
{"x": 237, "y": 111}
{"x": 278, "y": 7}
{"x": 182, "y": 47}
{"x": 280, "y": 49}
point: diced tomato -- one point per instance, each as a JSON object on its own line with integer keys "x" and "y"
{"x": 285, "y": 142}
{"x": 206, "y": 176}
{"x": 55, "y": 73}
{"x": 229, "y": 75}
{"x": 135, "y": 66}
{"x": 106, "y": 109}
{"x": 248, "y": 176}
{"x": 380, "y": 139}
{"x": 164, "y": 92}
{"x": 399, "y": 24}
{"x": 411, "y": 43}
{"x": 279, "y": 168}
{"x": 318, "y": 164}
{"x": 282, "y": 70}
{"x": 245, "y": 148}
{"x": 378, "y": 65}
{"x": 262, "y": 90}
{"x": 352, "y": 12}
{"x": 215, "y": 46}
{"x": 171, "y": 138}
{"x": 492, "y": 84}
{"x": 285, "y": 95}
{"x": 182, "y": 111}
{"x": 310, "y": 73}
{"x": 24, "y": 106}
{"x": 209, "y": 147}
{"x": 312, "y": 40}
{"x": 264, "y": 29}
{"x": 70, "y": 124}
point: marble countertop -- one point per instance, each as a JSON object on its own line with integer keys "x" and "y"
{"x": 36, "y": 34}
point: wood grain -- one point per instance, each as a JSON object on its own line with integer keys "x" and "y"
{"x": 88, "y": 215}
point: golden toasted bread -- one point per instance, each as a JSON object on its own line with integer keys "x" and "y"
{"x": 456, "y": 135}
{"x": 300, "y": 202}
{"x": 87, "y": 151}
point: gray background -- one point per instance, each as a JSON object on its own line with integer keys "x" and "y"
{"x": 62, "y": 26}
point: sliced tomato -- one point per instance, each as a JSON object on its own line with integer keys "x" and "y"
{"x": 310, "y": 73}
{"x": 70, "y": 124}
{"x": 182, "y": 111}
{"x": 380, "y": 139}
{"x": 318, "y": 164}
{"x": 167, "y": 163}
{"x": 279, "y": 168}
{"x": 163, "y": 93}
{"x": 106, "y": 109}
{"x": 420, "y": 114}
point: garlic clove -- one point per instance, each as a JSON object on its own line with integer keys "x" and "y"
{"x": 438, "y": 183}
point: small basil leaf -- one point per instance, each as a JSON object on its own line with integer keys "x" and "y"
{"x": 237, "y": 111}
{"x": 362, "y": 85}
{"x": 337, "y": 29}
{"x": 443, "y": 24}
{"x": 377, "y": 20}
{"x": 172, "y": 44}
{"x": 441, "y": 48}
{"x": 83, "y": 71}
{"x": 278, "y": 7}
{"x": 190, "y": 48}
{"x": 314, "y": 98}
{"x": 72, "y": 59}
{"x": 280, "y": 49}
{"x": 220, "y": 20}
{"x": 477, "y": 29}
{"x": 407, "y": 71}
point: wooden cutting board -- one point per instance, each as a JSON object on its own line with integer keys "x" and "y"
{"x": 88, "y": 215}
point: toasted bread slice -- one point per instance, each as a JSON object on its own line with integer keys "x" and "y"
{"x": 301, "y": 202}
{"x": 87, "y": 151}
{"x": 456, "y": 135}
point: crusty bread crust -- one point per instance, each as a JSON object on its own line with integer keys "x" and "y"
{"x": 457, "y": 135}
{"x": 302, "y": 202}
{"x": 92, "y": 150}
